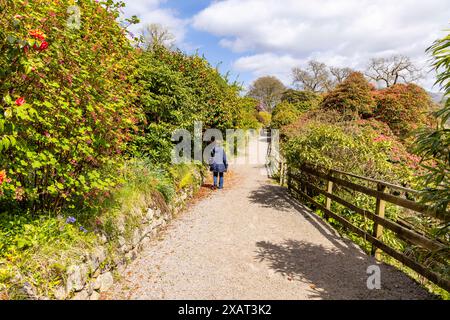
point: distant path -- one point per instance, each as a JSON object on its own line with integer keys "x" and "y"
{"x": 252, "y": 241}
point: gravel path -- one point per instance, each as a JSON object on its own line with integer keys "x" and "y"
{"x": 252, "y": 241}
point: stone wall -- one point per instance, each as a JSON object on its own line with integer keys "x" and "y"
{"x": 88, "y": 280}
{"x": 94, "y": 275}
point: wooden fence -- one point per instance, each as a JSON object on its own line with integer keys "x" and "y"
{"x": 326, "y": 182}
{"x": 276, "y": 165}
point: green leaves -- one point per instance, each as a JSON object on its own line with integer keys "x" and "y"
{"x": 284, "y": 114}
{"x": 434, "y": 144}
{"x": 176, "y": 90}
{"x": 6, "y": 142}
{"x": 62, "y": 143}
{"x": 349, "y": 148}
{"x": 7, "y": 99}
{"x": 78, "y": 113}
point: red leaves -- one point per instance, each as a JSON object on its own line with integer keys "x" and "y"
{"x": 381, "y": 138}
{"x": 44, "y": 45}
{"x": 20, "y": 101}
{"x": 403, "y": 107}
{"x": 37, "y": 34}
{"x": 2, "y": 176}
{"x": 351, "y": 96}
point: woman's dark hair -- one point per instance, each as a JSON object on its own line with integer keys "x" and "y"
{"x": 213, "y": 139}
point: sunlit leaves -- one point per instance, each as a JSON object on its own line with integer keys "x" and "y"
{"x": 67, "y": 101}
{"x": 434, "y": 144}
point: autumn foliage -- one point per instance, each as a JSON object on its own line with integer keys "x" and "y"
{"x": 352, "y": 97}
{"x": 404, "y": 107}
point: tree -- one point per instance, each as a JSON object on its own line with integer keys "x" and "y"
{"x": 340, "y": 74}
{"x": 177, "y": 89}
{"x": 352, "y": 97}
{"x": 393, "y": 70}
{"x": 434, "y": 144}
{"x": 404, "y": 107}
{"x": 267, "y": 90}
{"x": 154, "y": 34}
{"x": 315, "y": 77}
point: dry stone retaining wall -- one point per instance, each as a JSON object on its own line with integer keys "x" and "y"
{"x": 83, "y": 287}
{"x": 87, "y": 280}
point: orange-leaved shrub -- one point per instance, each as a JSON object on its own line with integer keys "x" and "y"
{"x": 404, "y": 107}
{"x": 353, "y": 97}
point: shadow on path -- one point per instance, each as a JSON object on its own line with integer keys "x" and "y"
{"x": 333, "y": 272}
{"x": 277, "y": 197}
{"x": 330, "y": 273}
{"x": 270, "y": 196}
{"x": 335, "y": 275}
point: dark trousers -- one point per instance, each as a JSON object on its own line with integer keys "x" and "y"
{"x": 218, "y": 175}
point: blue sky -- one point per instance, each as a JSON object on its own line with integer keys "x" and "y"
{"x": 252, "y": 38}
{"x": 188, "y": 38}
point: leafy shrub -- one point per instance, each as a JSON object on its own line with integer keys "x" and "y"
{"x": 352, "y": 97}
{"x": 404, "y": 107}
{"x": 249, "y": 118}
{"x": 350, "y": 147}
{"x": 434, "y": 143}
{"x": 284, "y": 114}
{"x": 66, "y": 111}
{"x": 302, "y": 100}
{"x": 185, "y": 175}
{"x": 212, "y": 98}
{"x": 178, "y": 89}
{"x": 42, "y": 248}
{"x": 265, "y": 118}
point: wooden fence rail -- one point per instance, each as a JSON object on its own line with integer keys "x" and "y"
{"x": 334, "y": 178}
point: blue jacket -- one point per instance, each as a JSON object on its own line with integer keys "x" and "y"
{"x": 218, "y": 160}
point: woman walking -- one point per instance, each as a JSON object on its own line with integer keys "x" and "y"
{"x": 218, "y": 164}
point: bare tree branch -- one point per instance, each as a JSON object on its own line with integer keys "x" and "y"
{"x": 154, "y": 34}
{"x": 340, "y": 74}
{"x": 315, "y": 77}
{"x": 393, "y": 69}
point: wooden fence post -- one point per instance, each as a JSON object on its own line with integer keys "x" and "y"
{"x": 288, "y": 174}
{"x": 378, "y": 229}
{"x": 282, "y": 173}
{"x": 328, "y": 203}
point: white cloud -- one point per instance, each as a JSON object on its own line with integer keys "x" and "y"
{"x": 268, "y": 64}
{"x": 150, "y": 11}
{"x": 276, "y": 33}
